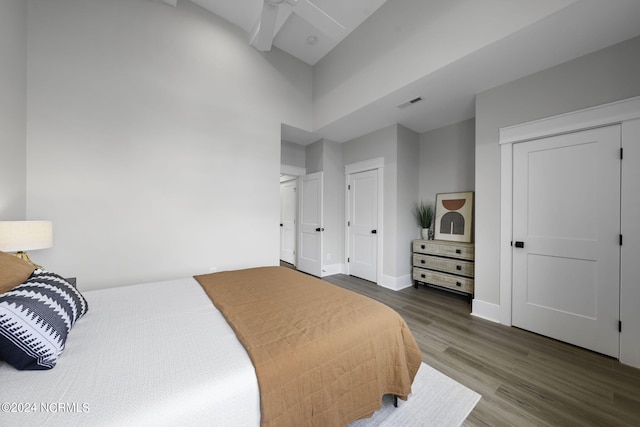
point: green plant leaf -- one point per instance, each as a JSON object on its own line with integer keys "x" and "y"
{"x": 423, "y": 213}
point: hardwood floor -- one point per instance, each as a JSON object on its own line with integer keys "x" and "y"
{"x": 524, "y": 379}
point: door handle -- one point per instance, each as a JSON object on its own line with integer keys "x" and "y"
{"x": 519, "y": 244}
{"x": 374, "y": 231}
{"x": 281, "y": 225}
{"x": 319, "y": 229}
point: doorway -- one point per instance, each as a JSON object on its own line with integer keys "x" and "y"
{"x": 362, "y": 224}
{"x": 288, "y": 219}
{"x": 626, "y": 114}
{"x": 289, "y": 182}
{"x": 566, "y": 224}
{"x": 310, "y": 230}
{"x": 364, "y": 219}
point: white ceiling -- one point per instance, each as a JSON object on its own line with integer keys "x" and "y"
{"x": 449, "y": 93}
{"x": 292, "y": 30}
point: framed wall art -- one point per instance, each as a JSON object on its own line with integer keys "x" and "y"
{"x": 454, "y": 216}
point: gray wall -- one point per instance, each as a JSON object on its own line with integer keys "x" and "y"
{"x": 154, "y": 139}
{"x": 438, "y": 161}
{"x": 333, "y": 189}
{"x": 326, "y": 156}
{"x": 406, "y": 40}
{"x": 607, "y": 75}
{"x": 314, "y": 160}
{"x": 447, "y": 160}
{"x": 292, "y": 154}
{"x": 13, "y": 109}
{"x": 407, "y": 195}
{"x": 381, "y": 143}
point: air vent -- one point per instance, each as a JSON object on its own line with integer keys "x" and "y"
{"x": 410, "y": 102}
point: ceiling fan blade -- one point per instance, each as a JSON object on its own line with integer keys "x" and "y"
{"x": 319, "y": 19}
{"x": 262, "y": 36}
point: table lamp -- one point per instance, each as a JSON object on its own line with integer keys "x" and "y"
{"x": 22, "y": 236}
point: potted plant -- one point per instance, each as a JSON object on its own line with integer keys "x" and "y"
{"x": 424, "y": 215}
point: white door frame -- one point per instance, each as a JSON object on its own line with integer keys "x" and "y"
{"x": 363, "y": 166}
{"x": 625, "y": 112}
{"x": 289, "y": 180}
{"x": 297, "y": 172}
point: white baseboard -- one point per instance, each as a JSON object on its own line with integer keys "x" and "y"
{"x": 396, "y": 283}
{"x": 330, "y": 270}
{"x": 485, "y": 310}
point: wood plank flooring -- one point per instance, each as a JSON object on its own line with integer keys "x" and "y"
{"x": 524, "y": 379}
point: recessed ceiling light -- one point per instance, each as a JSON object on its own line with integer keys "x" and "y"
{"x": 311, "y": 40}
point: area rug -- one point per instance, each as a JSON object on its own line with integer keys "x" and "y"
{"x": 435, "y": 400}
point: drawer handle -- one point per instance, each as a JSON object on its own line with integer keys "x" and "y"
{"x": 422, "y": 261}
{"x": 458, "y": 284}
{"x": 421, "y": 246}
{"x": 458, "y": 251}
{"x": 423, "y": 276}
{"x": 458, "y": 267}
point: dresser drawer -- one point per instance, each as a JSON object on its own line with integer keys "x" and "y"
{"x": 443, "y": 248}
{"x": 462, "y": 284}
{"x": 447, "y": 265}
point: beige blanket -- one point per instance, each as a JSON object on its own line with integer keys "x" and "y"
{"x": 323, "y": 355}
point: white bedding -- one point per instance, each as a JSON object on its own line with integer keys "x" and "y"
{"x": 152, "y": 354}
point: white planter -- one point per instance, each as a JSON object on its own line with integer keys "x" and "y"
{"x": 425, "y": 233}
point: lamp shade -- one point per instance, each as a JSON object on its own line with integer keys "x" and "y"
{"x": 25, "y": 235}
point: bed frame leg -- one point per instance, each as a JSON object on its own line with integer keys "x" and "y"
{"x": 395, "y": 400}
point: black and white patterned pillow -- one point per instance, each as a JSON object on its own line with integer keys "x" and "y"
{"x": 35, "y": 319}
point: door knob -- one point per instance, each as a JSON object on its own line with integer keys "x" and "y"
{"x": 519, "y": 244}
{"x": 374, "y": 231}
{"x": 319, "y": 229}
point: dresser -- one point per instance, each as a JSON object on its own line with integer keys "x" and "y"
{"x": 447, "y": 265}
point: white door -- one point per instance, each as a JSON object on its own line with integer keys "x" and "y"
{"x": 566, "y": 238}
{"x": 310, "y": 224}
{"x": 363, "y": 225}
{"x": 288, "y": 208}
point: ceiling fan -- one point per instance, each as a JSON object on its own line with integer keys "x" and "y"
{"x": 275, "y": 13}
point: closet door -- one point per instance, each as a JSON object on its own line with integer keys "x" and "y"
{"x": 310, "y": 232}
{"x": 363, "y": 225}
{"x": 566, "y": 231}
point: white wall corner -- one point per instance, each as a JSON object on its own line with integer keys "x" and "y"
{"x": 485, "y": 310}
{"x": 396, "y": 283}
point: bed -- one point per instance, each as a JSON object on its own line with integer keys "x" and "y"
{"x": 163, "y": 354}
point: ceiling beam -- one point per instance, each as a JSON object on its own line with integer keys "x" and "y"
{"x": 265, "y": 29}
{"x": 262, "y": 40}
